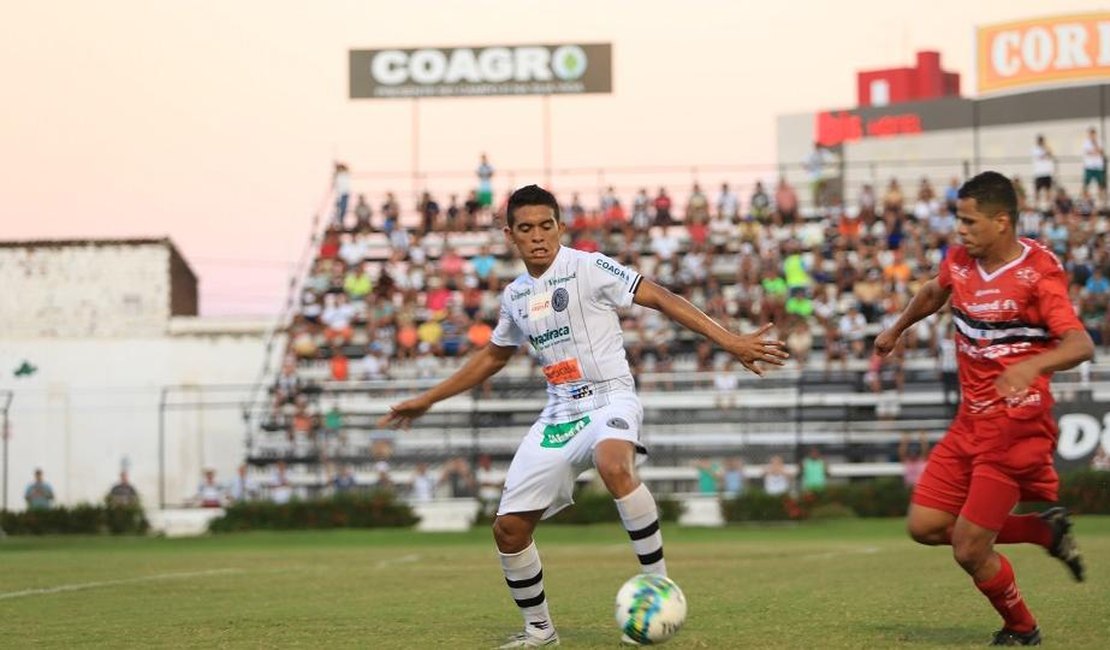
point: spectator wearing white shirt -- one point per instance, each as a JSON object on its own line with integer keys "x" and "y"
{"x": 341, "y": 185}
{"x": 281, "y": 491}
{"x": 1094, "y": 165}
{"x": 728, "y": 205}
{"x": 242, "y": 487}
{"x": 1044, "y": 168}
{"x": 210, "y": 494}
{"x": 853, "y": 326}
{"x": 337, "y": 317}
{"x": 374, "y": 366}
{"x": 663, "y": 244}
{"x": 775, "y": 479}
{"x": 423, "y": 486}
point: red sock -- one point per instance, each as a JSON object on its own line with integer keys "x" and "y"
{"x": 1019, "y": 529}
{"x": 1003, "y": 593}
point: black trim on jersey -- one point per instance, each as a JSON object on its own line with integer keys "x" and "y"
{"x": 635, "y": 285}
{"x": 651, "y": 558}
{"x": 993, "y": 325}
{"x": 646, "y": 531}
{"x": 986, "y": 343}
{"x": 527, "y": 582}
{"x": 530, "y": 602}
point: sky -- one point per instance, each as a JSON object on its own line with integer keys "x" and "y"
{"x": 216, "y": 123}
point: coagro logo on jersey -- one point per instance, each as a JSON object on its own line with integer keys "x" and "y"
{"x": 616, "y": 270}
{"x": 493, "y": 70}
{"x": 549, "y": 338}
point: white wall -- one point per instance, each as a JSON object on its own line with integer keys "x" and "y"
{"x": 93, "y": 402}
{"x": 92, "y": 290}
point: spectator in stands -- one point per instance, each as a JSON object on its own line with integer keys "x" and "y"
{"x": 485, "y": 182}
{"x": 786, "y": 202}
{"x": 867, "y": 201}
{"x": 483, "y": 264}
{"x": 1044, "y": 168}
{"x": 912, "y": 456}
{"x": 853, "y": 327}
{"x": 725, "y": 381}
{"x": 776, "y": 480}
{"x": 759, "y": 207}
{"x": 1094, "y": 306}
{"x": 815, "y": 165}
{"x": 341, "y": 186}
{"x": 893, "y": 199}
{"x": 926, "y": 204}
{"x": 1100, "y": 462}
{"x": 39, "y": 494}
{"x": 1062, "y": 203}
{"x": 453, "y": 222}
{"x": 429, "y": 214}
{"x": 337, "y": 317}
{"x": 664, "y": 245}
{"x": 384, "y": 481}
{"x": 641, "y": 212}
{"x": 451, "y": 267}
{"x": 427, "y": 364}
{"x": 662, "y": 205}
{"x": 242, "y": 487}
{"x": 732, "y": 481}
{"x": 363, "y": 215}
{"x": 490, "y": 484}
{"x": 815, "y": 471}
{"x": 210, "y": 494}
{"x": 1094, "y": 165}
{"x": 375, "y": 365}
{"x": 471, "y": 208}
{"x": 344, "y": 482}
{"x": 800, "y": 342}
{"x": 391, "y": 214}
{"x": 329, "y": 245}
{"x": 459, "y": 479}
{"x": 281, "y": 490}
{"x": 728, "y": 204}
{"x": 357, "y": 284}
{"x": 122, "y": 494}
{"x": 353, "y": 249}
{"x": 709, "y": 476}
{"x": 423, "y": 485}
{"x": 951, "y": 195}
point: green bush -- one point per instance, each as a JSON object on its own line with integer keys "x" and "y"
{"x": 595, "y": 506}
{"x": 375, "y": 510}
{"x": 757, "y": 505}
{"x": 82, "y": 519}
{"x": 827, "y": 511}
{"x": 1086, "y": 492}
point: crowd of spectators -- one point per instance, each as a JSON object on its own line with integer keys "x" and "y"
{"x": 391, "y": 292}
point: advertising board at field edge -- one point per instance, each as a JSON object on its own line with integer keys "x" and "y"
{"x": 482, "y": 71}
{"x": 1043, "y": 51}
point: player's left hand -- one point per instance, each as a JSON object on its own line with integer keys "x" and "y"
{"x": 753, "y": 349}
{"x": 1015, "y": 380}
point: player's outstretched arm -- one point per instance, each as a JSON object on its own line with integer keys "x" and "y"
{"x": 750, "y": 349}
{"x": 927, "y": 301}
{"x": 482, "y": 365}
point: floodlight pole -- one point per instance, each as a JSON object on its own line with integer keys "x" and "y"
{"x": 7, "y": 397}
{"x": 546, "y": 103}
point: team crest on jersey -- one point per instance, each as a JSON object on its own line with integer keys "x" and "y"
{"x": 1027, "y": 276}
{"x": 962, "y": 273}
{"x": 560, "y": 299}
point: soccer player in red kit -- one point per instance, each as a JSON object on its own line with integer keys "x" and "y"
{"x": 1014, "y": 327}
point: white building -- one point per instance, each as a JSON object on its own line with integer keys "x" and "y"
{"x": 91, "y": 333}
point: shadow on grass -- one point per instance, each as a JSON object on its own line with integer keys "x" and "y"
{"x": 934, "y": 635}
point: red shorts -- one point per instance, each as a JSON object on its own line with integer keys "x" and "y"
{"x": 985, "y": 465}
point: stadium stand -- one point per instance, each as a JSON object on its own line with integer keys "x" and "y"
{"x": 394, "y": 301}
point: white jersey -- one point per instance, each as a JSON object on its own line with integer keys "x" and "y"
{"x": 568, "y": 318}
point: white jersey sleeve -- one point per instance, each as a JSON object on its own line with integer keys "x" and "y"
{"x": 507, "y": 334}
{"x": 614, "y": 285}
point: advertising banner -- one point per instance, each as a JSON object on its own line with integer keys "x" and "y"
{"x": 1043, "y": 51}
{"x": 570, "y": 68}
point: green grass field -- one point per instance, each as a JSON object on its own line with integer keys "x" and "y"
{"x": 848, "y": 584}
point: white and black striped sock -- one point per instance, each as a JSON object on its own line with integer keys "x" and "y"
{"x": 641, "y": 519}
{"x": 524, "y": 575}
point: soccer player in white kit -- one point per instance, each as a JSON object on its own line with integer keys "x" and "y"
{"x": 565, "y": 310}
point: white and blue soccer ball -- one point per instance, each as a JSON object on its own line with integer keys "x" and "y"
{"x": 650, "y": 608}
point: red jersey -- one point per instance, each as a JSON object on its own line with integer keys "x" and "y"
{"x": 1001, "y": 318}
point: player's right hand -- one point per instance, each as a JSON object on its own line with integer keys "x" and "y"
{"x": 401, "y": 415}
{"x": 885, "y": 342}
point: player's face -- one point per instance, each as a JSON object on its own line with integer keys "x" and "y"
{"x": 978, "y": 231}
{"x": 536, "y": 234}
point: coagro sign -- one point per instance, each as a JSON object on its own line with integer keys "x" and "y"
{"x": 482, "y": 71}
{"x": 1043, "y": 51}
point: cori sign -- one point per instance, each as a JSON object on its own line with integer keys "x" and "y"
{"x": 1041, "y": 51}
{"x": 482, "y": 71}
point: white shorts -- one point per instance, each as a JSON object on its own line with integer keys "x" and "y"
{"x": 551, "y": 456}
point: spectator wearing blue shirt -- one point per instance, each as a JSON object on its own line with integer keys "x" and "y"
{"x": 39, "y": 494}
{"x": 483, "y": 264}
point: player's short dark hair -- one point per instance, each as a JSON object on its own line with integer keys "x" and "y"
{"x": 993, "y": 193}
{"x": 530, "y": 195}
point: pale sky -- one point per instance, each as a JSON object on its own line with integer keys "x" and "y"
{"x": 215, "y": 123}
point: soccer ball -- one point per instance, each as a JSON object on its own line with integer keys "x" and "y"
{"x": 650, "y": 608}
